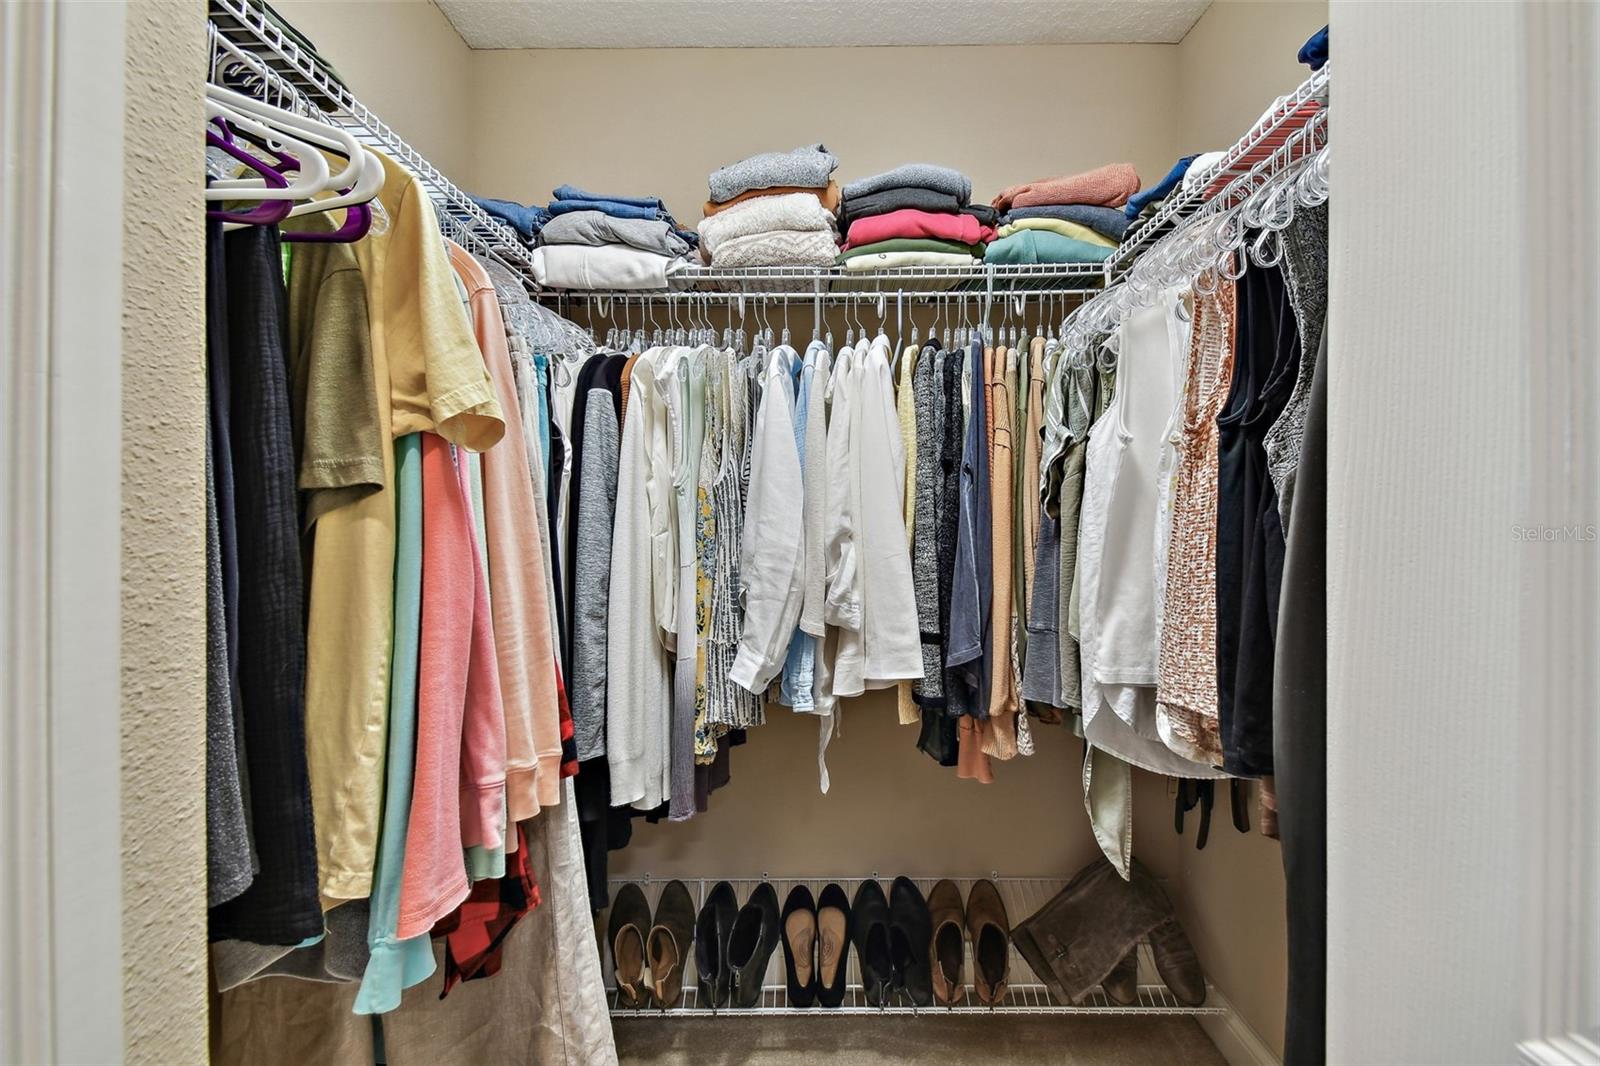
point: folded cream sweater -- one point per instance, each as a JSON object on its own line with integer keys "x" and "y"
{"x": 778, "y": 248}
{"x": 795, "y": 212}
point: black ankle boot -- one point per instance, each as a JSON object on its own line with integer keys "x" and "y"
{"x": 712, "y": 930}
{"x": 869, "y": 931}
{"x": 750, "y": 947}
{"x": 910, "y": 938}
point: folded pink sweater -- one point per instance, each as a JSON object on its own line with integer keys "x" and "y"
{"x": 1108, "y": 186}
{"x": 909, "y": 222}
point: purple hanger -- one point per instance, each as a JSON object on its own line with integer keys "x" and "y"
{"x": 282, "y": 160}
{"x": 266, "y": 213}
{"x": 357, "y": 221}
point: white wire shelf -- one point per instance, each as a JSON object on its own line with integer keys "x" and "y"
{"x": 1025, "y": 993}
{"x": 288, "y": 76}
{"x": 841, "y": 285}
{"x": 1252, "y": 157}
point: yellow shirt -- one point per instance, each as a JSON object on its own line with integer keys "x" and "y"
{"x": 439, "y": 381}
{"x": 1058, "y": 225}
{"x": 427, "y": 374}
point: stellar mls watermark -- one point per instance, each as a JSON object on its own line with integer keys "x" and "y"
{"x": 1576, "y": 534}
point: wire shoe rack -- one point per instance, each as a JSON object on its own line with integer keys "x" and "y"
{"x": 1025, "y": 993}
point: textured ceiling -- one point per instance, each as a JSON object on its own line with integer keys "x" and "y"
{"x": 815, "y": 23}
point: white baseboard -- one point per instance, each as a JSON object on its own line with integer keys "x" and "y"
{"x": 1240, "y": 1044}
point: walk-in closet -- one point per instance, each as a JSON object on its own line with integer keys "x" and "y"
{"x": 749, "y": 532}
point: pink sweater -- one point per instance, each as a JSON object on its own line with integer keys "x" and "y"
{"x": 909, "y": 222}
{"x": 525, "y": 647}
{"x": 456, "y": 790}
{"x": 1109, "y": 186}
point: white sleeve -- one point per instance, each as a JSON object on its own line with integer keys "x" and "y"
{"x": 771, "y": 554}
{"x": 842, "y": 607}
{"x": 816, "y": 479}
{"x": 658, "y": 497}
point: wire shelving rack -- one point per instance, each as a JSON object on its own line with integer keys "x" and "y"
{"x": 1025, "y": 993}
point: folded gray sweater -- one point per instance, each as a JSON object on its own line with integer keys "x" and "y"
{"x": 596, "y": 228}
{"x": 918, "y": 175}
{"x": 807, "y": 167}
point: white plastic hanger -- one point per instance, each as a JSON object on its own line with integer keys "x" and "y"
{"x": 310, "y": 179}
{"x": 301, "y": 128}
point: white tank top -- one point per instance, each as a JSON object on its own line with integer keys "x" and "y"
{"x": 1116, "y": 561}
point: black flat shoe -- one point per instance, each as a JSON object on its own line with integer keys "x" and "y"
{"x": 799, "y": 927}
{"x": 833, "y": 945}
{"x": 711, "y": 933}
{"x": 910, "y": 939}
{"x": 668, "y": 943}
{"x": 750, "y": 948}
{"x": 625, "y": 929}
{"x": 869, "y": 931}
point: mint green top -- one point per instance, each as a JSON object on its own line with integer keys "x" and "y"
{"x": 398, "y": 964}
{"x": 1042, "y": 246}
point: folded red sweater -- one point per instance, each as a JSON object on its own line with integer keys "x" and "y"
{"x": 909, "y": 222}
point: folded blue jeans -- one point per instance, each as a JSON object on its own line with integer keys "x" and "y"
{"x": 572, "y": 192}
{"x": 526, "y": 219}
{"x": 614, "y": 208}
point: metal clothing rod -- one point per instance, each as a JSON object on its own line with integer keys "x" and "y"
{"x": 816, "y": 299}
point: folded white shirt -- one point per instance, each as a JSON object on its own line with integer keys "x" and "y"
{"x": 608, "y": 266}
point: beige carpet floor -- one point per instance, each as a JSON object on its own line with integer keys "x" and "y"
{"x": 867, "y": 1041}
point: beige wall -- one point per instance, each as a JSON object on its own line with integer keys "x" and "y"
{"x": 1236, "y": 59}
{"x": 657, "y": 122}
{"x": 163, "y": 540}
{"x": 403, "y": 59}
{"x": 889, "y": 808}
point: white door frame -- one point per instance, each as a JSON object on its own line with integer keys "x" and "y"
{"x": 61, "y": 127}
{"x": 1559, "y": 797}
{"x": 1463, "y": 560}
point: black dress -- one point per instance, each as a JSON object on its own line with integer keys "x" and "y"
{"x": 1249, "y": 530}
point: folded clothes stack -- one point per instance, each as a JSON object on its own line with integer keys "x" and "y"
{"x": 773, "y": 209}
{"x": 1072, "y": 219}
{"x": 917, "y": 214}
{"x": 601, "y": 241}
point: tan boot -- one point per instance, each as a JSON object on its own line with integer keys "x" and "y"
{"x": 989, "y": 929}
{"x": 949, "y": 949}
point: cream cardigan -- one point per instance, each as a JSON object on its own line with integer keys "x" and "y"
{"x": 639, "y": 688}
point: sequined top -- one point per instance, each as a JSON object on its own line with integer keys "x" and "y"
{"x": 1186, "y": 686}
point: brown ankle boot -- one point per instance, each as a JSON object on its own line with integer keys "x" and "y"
{"x": 949, "y": 949}
{"x": 989, "y": 928}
